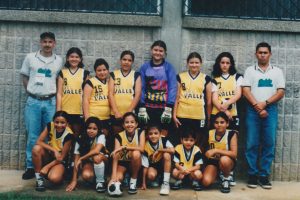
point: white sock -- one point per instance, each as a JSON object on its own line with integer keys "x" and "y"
{"x": 133, "y": 181}
{"x": 167, "y": 177}
{"x": 38, "y": 175}
{"x": 99, "y": 172}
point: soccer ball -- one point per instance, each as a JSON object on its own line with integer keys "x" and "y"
{"x": 115, "y": 189}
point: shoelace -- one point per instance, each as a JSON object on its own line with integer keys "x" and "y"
{"x": 40, "y": 182}
{"x": 225, "y": 184}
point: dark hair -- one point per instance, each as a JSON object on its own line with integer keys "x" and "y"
{"x": 61, "y": 113}
{"x": 188, "y": 132}
{"x": 159, "y": 43}
{"x": 101, "y": 61}
{"x": 194, "y": 55}
{"x": 127, "y": 52}
{"x": 222, "y": 115}
{"x": 84, "y": 140}
{"x": 217, "y": 67}
{"x": 78, "y": 52}
{"x": 47, "y": 35}
{"x": 263, "y": 44}
{"x": 130, "y": 114}
{"x": 153, "y": 126}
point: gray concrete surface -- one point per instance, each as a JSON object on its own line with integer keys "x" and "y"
{"x": 10, "y": 180}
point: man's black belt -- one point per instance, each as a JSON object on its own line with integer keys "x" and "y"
{"x": 42, "y": 98}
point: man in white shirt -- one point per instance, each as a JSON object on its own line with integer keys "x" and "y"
{"x": 263, "y": 87}
{"x": 39, "y": 72}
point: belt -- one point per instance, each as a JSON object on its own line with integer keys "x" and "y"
{"x": 42, "y": 98}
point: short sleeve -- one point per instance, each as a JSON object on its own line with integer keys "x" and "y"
{"x": 198, "y": 158}
{"x": 25, "y": 69}
{"x": 101, "y": 140}
{"x": 76, "y": 148}
{"x": 247, "y": 78}
{"x": 67, "y": 138}
{"x": 214, "y": 86}
{"x": 239, "y": 81}
{"x": 176, "y": 158}
{"x": 145, "y": 161}
{"x": 169, "y": 144}
{"x": 136, "y": 75}
{"x": 89, "y": 83}
{"x": 281, "y": 82}
{"x": 118, "y": 137}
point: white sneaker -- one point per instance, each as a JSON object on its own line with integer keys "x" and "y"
{"x": 231, "y": 179}
{"x": 165, "y": 189}
{"x": 100, "y": 187}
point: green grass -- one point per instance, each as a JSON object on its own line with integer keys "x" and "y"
{"x": 33, "y": 196}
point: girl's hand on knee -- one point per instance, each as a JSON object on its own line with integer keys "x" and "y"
{"x": 78, "y": 164}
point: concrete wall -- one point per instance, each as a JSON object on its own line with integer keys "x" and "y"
{"x": 19, "y": 34}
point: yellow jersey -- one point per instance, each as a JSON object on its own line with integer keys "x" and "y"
{"x": 99, "y": 104}
{"x": 188, "y": 159}
{"x": 124, "y": 89}
{"x": 72, "y": 90}
{"x": 150, "y": 149}
{"x": 124, "y": 140}
{"x": 226, "y": 90}
{"x": 223, "y": 143}
{"x": 57, "y": 140}
{"x": 192, "y": 96}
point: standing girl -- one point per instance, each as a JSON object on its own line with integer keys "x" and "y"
{"x": 95, "y": 95}
{"x": 193, "y": 103}
{"x": 222, "y": 153}
{"x": 158, "y": 88}
{"x": 69, "y": 88}
{"x": 90, "y": 155}
{"x": 129, "y": 146}
{"x": 124, "y": 90}
{"x": 48, "y": 157}
{"x": 226, "y": 89}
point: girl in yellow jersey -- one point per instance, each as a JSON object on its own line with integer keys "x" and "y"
{"x": 221, "y": 154}
{"x": 157, "y": 158}
{"x": 95, "y": 95}
{"x": 90, "y": 155}
{"x": 48, "y": 157}
{"x": 129, "y": 146}
{"x": 124, "y": 90}
{"x": 226, "y": 89}
{"x": 69, "y": 88}
{"x": 193, "y": 103}
{"x": 188, "y": 161}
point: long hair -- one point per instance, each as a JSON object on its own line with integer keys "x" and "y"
{"x": 217, "y": 72}
{"x": 78, "y": 52}
{"x": 84, "y": 140}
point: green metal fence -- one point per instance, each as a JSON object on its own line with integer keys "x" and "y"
{"x": 245, "y": 9}
{"x": 138, "y": 7}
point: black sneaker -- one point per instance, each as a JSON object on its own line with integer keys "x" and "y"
{"x": 225, "y": 187}
{"x": 40, "y": 185}
{"x": 100, "y": 187}
{"x": 28, "y": 174}
{"x": 177, "y": 185}
{"x": 132, "y": 189}
{"x": 264, "y": 182}
{"x": 252, "y": 181}
{"x": 197, "y": 186}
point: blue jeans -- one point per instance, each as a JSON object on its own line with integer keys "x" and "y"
{"x": 37, "y": 114}
{"x": 261, "y": 132}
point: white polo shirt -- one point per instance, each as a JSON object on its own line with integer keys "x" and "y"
{"x": 42, "y": 72}
{"x": 264, "y": 84}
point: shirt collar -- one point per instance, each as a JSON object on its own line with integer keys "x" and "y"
{"x": 45, "y": 59}
{"x": 256, "y": 67}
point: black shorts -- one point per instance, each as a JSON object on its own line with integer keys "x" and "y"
{"x": 159, "y": 166}
{"x": 198, "y": 125}
{"x": 106, "y": 124}
{"x": 76, "y": 119}
{"x": 125, "y": 164}
{"x": 116, "y": 122}
{"x": 215, "y": 162}
{"x": 234, "y": 124}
